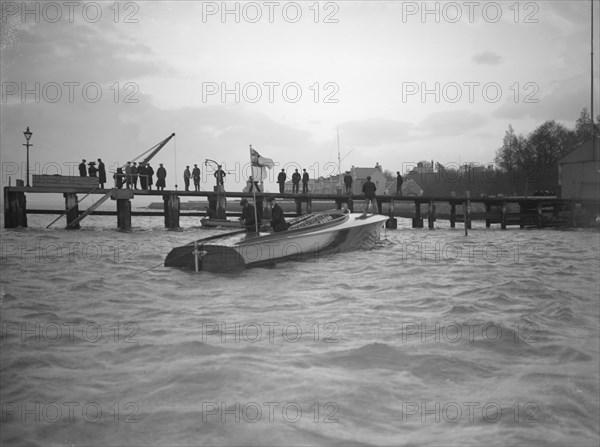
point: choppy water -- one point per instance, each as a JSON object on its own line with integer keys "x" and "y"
{"x": 432, "y": 338}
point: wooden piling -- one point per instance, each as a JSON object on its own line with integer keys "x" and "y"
{"x": 417, "y": 221}
{"x": 488, "y": 217}
{"x": 452, "y": 215}
{"x": 124, "y": 214}
{"x": 298, "y": 207}
{"x": 468, "y": 210}
{"x": 503, "y": 217}
{"x": 15, "y": 208}
{"x": 72, "y": 207}
{"x": 308, "y": 206}
{"x": 430, "y": 214}
{"x": 171, "y": 207}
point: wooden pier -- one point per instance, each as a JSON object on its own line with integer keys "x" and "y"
{"x": 536, "y": 212}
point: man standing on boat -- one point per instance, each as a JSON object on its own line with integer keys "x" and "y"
{"x": 220, "y": 175}
{"x": 369, "y": 189}
{"x": 187, "y": 175}
{"x": 196, "y": 177}
{"x": 248, "y": 216}
{"x": 278, "y": 222}
{"x": 281, "y": 180}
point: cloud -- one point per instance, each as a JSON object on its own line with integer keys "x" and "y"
{"x": 375, "y": 131}
{"x": 487, "y": 58}
{"x": 451, "y": 123}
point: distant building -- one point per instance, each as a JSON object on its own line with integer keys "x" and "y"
{"x": 334, "y": 184}
{"x": 578, "y": 172}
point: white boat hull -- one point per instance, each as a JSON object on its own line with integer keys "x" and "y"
{"x": 241, "y": 250}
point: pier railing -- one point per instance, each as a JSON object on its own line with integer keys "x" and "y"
{"x": 537, "y": 212}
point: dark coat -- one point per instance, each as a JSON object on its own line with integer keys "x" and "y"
{"x": 348, "y": 180}
{"x": 248, "y": 217}
{"x": 150, "y": 173}
{"x": 161, "y": 175}
{"x": 369, "y": 189}
{"x": 82, "y": 170}
{"x": 101, "y": 173}
{"x": 296, "y": 177}
{"x": 278, "y": 222}
{"x": 305, "y": 177}
{"x": 281, "y": 177}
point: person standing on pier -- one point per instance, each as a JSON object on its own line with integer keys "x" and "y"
{"x": 348, "y": 182}
{"x": 220, "y": 175}
{"x": 368, "y": 190}
{"x": 305, "y": 179}
{"x": 101, "y": 173}
{"x": 161, "y": 175}
{"x": 399, "y": 182}
{"x": 187, "y": 175}
{"x": 196, "y": 177}
{"x": 118, "y": 176}
{"x": 128, "y": 178}
{"x": 281, "y": 180}
{"x": 149, "y": 173}
{"x": 134, "y": 175}
{"x": 82, "y": 169}
{"x": 142, "y": 175}
{"x": 92, "y": 169}
{"x": 296, "y": 182}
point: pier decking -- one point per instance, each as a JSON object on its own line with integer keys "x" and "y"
{"x": 537, "y": 212}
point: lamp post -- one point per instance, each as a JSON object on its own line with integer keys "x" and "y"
{"x": 28, "y": 135}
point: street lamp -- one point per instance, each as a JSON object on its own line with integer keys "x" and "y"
{"x": 28, "y": 135}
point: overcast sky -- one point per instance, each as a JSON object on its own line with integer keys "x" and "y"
{"x": 402, "y": 81}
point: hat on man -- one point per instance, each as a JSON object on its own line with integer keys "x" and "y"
{"x": 243, "y": 202}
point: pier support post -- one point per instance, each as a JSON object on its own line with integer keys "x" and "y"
{"x": 308, "y": 206}
{"x": 488, "y": 211}
{"x": 171, "y": 206}
{"x": 417, "y": 221}
{"x": 430, "y": 214}
{"x": 452, "y": 215}
{"x": 503, "y": 218}
{"x": 468, "y": 210}
{"x": 72, "y": 207}
{"x": 539, "y": 215}
{"x": 298, "y": 207}
{"x": 15, "y": 209}
{"x": 124, "y": 214}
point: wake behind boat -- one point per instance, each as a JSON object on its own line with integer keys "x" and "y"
{"x": 317, "y": 235}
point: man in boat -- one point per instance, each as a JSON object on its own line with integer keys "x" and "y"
{"x": 368, "y": 190}
{"x": 248, "y": 216}
{"x": 278, "y": 222}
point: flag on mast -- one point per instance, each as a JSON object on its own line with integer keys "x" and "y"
{"x": 259, "y": 163}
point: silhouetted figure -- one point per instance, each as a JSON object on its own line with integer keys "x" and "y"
{"x": 92, "y": 169}
{"x": 161, "y": 175}
{"x": 119, "y": 177}
{"x": 278, "y": 222}
{"x": 101, "y": 173}
{"x": 142, "y": 174}
{"x": 149, "y": 173}
{"x": 187, "y": 175}
{"x": 82, "y": 169}
{"x": 399, "y": 181}
{"x": 128, "y": 178}
{"x": 248, "y": 216}
{"x": 281, "y": 180}
{"x": 296, "y": 182}
{"x": 348, "y": 182}
{"x": 220, "y": 175}
{"x": 369, "y": 189}
{"x": 196, "y": 177}
{"x": 305, "y": 179}
{"x": 134, "y": 175}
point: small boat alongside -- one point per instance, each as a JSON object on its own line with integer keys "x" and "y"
{"x": 220, "y": 223}
{"x": 312, "y": 235}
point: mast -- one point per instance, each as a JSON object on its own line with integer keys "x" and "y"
{"x": 592, "y": 77}
{"x": 339, "y": 160}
